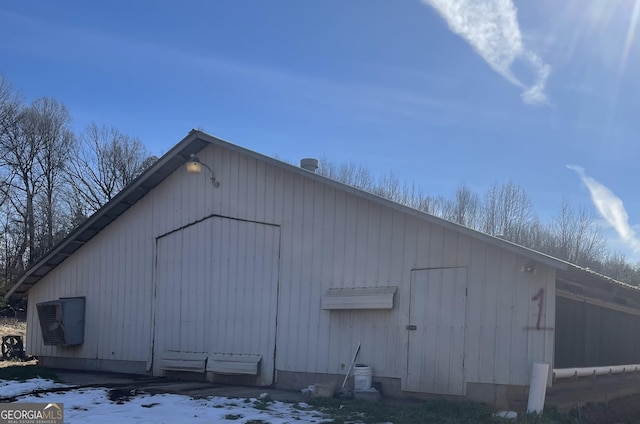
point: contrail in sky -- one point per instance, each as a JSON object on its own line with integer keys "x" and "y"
{"x": 491, "y": 27}
{"x": 611, "y": 208}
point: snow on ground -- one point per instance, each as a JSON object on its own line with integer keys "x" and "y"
{"x": 9, "y": 388}
{"x": 94, "y": 406}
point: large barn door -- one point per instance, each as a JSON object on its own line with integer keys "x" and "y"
{"x": 435, "y": 362}
{"x": 216, "y": 299}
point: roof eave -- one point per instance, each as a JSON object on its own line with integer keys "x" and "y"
{"x": 516, "y": 248}
{"x": 137, "y": 189}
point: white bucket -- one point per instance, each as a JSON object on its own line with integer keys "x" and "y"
{"x": 361, "y": 377}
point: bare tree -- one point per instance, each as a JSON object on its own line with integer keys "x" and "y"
{"x": 106, "y": 162}
{"x": 465, "y": 209}
{"x": 576, "y": 237}
{"x": 19, "y": 149}
{"x": 389, "y": 187}
{"x": 347, "y": 173}
{"x": 616, "y": 266}
{"x": 10, "y": 108}
{"x": 12, "y": 236}
{"x": 12, "y": 242}
{"x": 10, "y": 105}
{"x": 507, "y": 211}
{"x": 49, "y": 124}
{"x": 34, "y": 145}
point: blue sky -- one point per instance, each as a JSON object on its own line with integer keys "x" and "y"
{"x": 438, "y": 91}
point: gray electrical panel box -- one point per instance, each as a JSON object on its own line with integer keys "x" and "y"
{"x": 62, "y": 321}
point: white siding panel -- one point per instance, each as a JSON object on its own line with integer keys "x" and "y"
{"x": 489, "y": 317}
{"x": 385, "y": 251}
{"x": 396, "y": 333}
{"x": 435, "y": 239}
{"x": 475, "y": 308}
{"x": 310, "y": 295}
{"x": 339, "y": 245}
{"x": 326, "y": 273}
{"x": 504, "y": 316}
{"x": 373, "y": 248}
{"x": 456, "y": 375}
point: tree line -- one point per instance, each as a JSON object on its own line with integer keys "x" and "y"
{"x": 52, "y": 178}
{"x": 505, "y": 210}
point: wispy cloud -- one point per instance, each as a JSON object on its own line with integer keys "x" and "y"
{"x": 491, "y": 27}
{"x": 611, "y": 208}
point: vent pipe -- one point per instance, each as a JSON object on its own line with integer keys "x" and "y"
{"x": 309, "y": 164}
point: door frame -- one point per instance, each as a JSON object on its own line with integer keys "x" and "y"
{"x": 463, "y": 291}
{"x": 153, "y": 359}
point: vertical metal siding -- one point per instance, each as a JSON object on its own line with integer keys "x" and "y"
{"x": 329, "y": 238}
{"x": 507, "y": 285}
{"x": 520, "y": 302}
{"x": 117, "y": 320}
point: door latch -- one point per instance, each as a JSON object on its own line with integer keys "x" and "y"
{"x": 411, "y": 327}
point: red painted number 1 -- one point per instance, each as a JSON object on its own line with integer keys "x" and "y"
{"x": 540, "y": 298}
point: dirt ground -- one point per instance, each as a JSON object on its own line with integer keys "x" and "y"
{"x": 13, "y": 327}
{"x": 623, "y": 410}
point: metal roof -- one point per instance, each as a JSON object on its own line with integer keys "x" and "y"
{"x": 578, "y": 270}
{"x": 193, "y": 143}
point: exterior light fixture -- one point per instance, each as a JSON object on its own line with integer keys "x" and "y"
{"x": 194, "y": 166}
{"x": 528, "y": 268}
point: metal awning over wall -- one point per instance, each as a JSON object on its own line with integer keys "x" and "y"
{"x": 582, "y": 284}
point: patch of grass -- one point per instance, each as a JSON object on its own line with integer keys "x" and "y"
{"x": 23, "y": 373}
{"x": 549, "y": 417}
{"x": 437, "y": 411}
{"x": 121, "y": 395}
{"x": 262, "y": 404}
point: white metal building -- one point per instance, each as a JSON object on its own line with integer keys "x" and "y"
{"x": 274, "y": 276}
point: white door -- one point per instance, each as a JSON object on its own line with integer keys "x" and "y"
{"x": 216, "y": 293}
{"x": 435, "y": 362}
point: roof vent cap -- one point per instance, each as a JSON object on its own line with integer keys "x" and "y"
{"x": 309, "y": 164}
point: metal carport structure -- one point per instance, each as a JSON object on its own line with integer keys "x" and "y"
{"x": 596, "y": 349}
